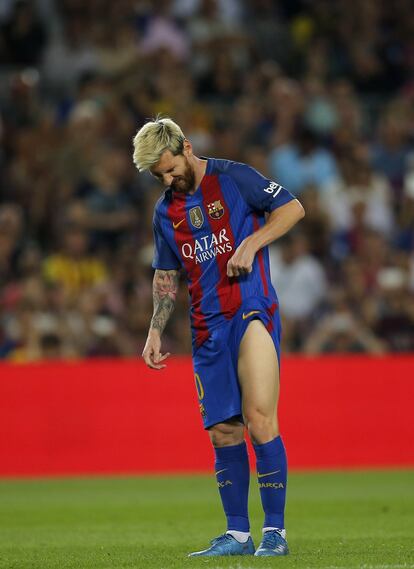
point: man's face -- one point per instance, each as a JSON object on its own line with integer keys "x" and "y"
{"x": 175, "y": 171}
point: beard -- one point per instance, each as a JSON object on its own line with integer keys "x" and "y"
{"x": 185, "y": 183}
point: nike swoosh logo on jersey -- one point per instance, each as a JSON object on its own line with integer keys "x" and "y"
{"x": 175, "y": 225}
{"x": 267, "y": 474}
{"x": 220, "y": 471}
{"x": 250, "y": 314}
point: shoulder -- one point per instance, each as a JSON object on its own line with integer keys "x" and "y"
{"x": 229, "y": 167}
{"x": 162, "y": 204}
{"x": 242, "y": 174}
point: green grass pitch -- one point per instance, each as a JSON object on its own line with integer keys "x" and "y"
{"x": 334, "y": 520}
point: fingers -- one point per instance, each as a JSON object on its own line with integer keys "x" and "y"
{"x": 146, "y": 354}
{"x": 241, "y": 262}
{"x": 154, "y": 365}
{"x": 153, "y": 359}
{"x": 164, "y": 357}
{"x": 237, "y": 270}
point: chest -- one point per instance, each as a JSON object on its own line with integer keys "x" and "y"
{"x": 214, "y": 207}
{"x": 204, "y": 227}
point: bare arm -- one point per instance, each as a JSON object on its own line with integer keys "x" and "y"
{"x": 164, "y": 292}
{"x": 279, "y": 222}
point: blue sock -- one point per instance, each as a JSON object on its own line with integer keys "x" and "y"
{"x": 233, "y": 475}
{"x": 271, "y": 468}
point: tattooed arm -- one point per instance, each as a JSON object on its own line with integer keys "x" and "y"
{"x": 164, "y": 292}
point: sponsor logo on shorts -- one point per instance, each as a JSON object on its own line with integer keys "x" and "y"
{"x": 248, "y": 314}
{"x": 220, "y": 471}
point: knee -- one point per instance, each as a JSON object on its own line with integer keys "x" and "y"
{"x": 226, "y": 434}
{"x": 262, "y": 427}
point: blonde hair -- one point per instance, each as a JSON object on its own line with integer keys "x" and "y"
{"x": 154, "y": 138}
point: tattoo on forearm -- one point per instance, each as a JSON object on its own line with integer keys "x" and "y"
{"x": 164, "y": 292}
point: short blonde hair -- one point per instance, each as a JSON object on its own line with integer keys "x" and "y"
{"x": 154, "y": 138}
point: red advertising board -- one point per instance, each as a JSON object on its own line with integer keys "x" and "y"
{"x": 112, "y": 416}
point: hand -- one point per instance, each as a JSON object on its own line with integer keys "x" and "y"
{"x": 242, "y": 261}
{"x": 152, "y": 354}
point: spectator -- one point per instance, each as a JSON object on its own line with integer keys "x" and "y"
{"x": 162, "y": 33}
{"x": 73, "y": 266}
{"x": 11, "y": 229}
{"x": 390, "y": 152}
{"x": 24, "y": 36}
{"x": 341, "y": 332}
{"x": 298, "y": 277}
{"x": 300, "y": 282}
{"x": 107, "y": 210}
{"x": 69, "y": 55}
{"x": 303, "y": 163}
{"x": 395, "y": 324}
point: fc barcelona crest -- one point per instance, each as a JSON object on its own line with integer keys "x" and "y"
{"x": 196, "y": 217}
{"x": 215, "y": 209}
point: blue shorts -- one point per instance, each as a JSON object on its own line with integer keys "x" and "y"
{"x": 215, "y": 361}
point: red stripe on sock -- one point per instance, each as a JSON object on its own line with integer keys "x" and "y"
{"x": 228, "y": 290}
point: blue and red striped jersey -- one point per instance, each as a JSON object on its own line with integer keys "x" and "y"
{"x": 200, "y": 232}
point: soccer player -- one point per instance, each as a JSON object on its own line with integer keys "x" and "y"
{"x": 211, "y": 222}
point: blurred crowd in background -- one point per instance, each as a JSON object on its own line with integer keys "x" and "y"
{"x": 316, "y": 94}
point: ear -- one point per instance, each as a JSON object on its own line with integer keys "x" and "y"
{"x": 188, "y": 148}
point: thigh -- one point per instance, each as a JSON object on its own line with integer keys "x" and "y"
{"x": 258, "y": 370}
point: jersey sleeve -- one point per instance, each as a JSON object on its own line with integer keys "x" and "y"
{"x": 259, "y": 192}
{"x": 164, "y": 256}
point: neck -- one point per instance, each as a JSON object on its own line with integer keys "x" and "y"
{"x": 200, "y": 167}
